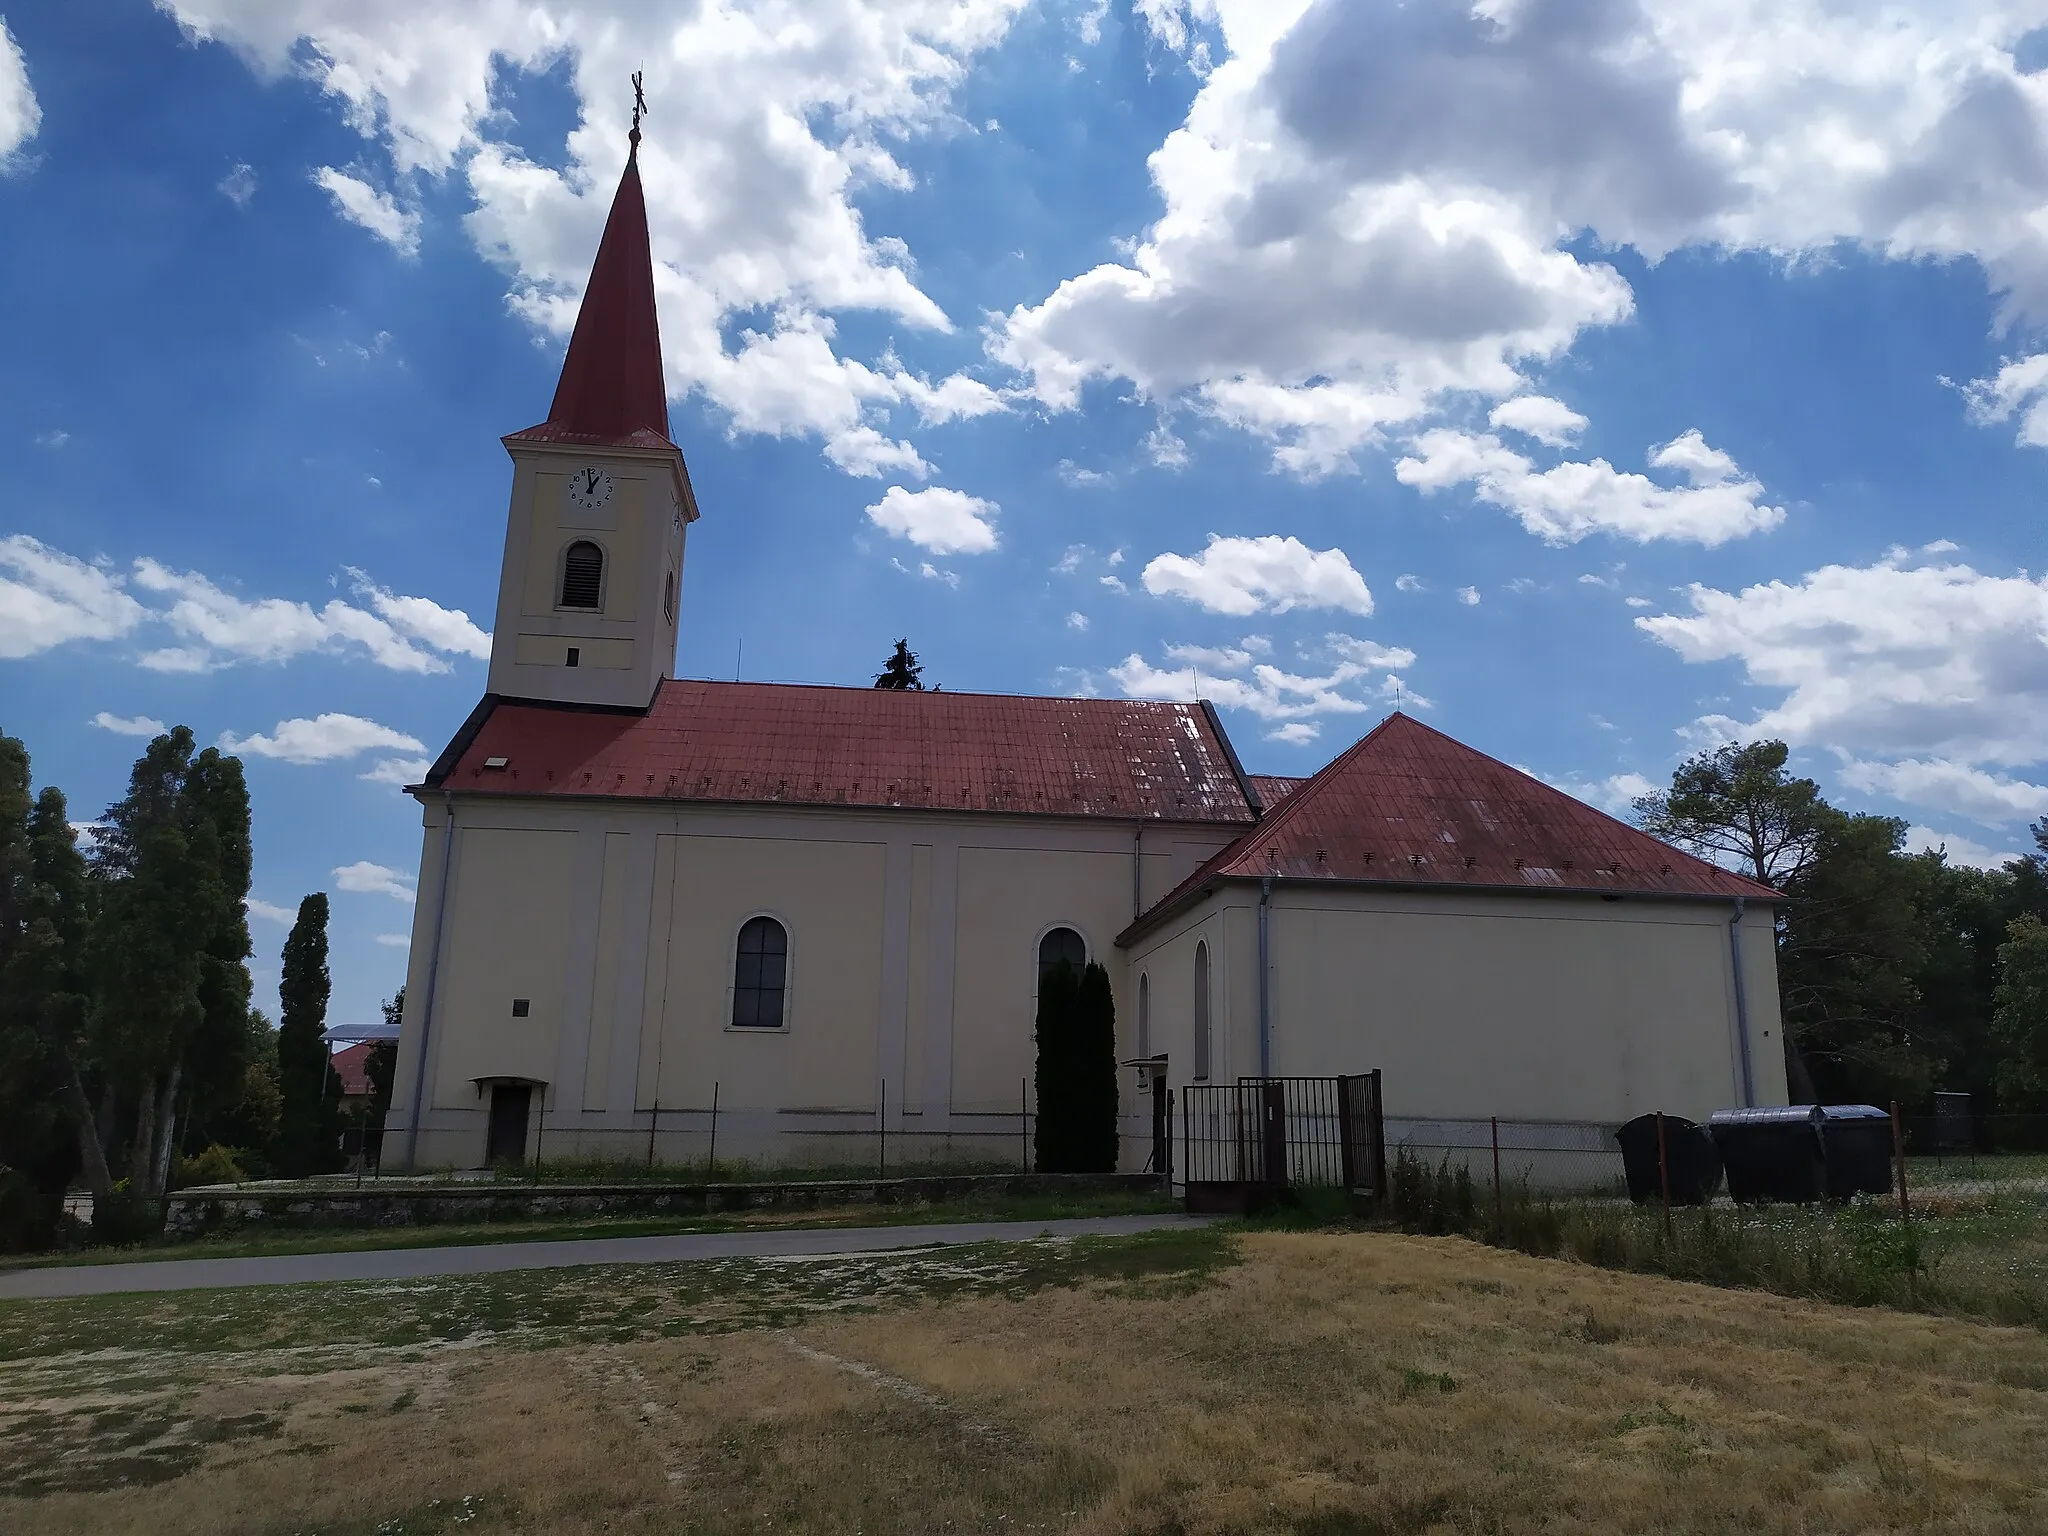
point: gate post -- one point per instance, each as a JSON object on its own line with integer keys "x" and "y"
{"x": 1346, "y": 1135}
{"x": 1273, "y": 1133}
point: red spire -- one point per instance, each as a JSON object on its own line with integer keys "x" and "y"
{"x": 612, "y": 391}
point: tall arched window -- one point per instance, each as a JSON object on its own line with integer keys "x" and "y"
{"x": 668, "y": 596}
{"x": 583, "y": 576}
{"x": 1202, "y": 1011}
{"x": 760, "y": 974}
{"x": 1144, "y": 1014}
{"x": 1061, "y": 944}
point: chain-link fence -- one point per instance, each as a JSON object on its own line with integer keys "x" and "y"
{"x": 1553, "y": 1156}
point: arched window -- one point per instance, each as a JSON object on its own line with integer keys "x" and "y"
{"x": 760, "y": 974}
{"x": 1202, "y": 1011}
{"x": 668, "y": 597}
{"x": 583, "y": 576}
{"x": 1144, "y": 1014}
{"x": 1061, "y": 944}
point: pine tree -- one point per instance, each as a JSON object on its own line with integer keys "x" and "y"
{"x": 309, "y": 1123}
{"x": 902, "y": 670}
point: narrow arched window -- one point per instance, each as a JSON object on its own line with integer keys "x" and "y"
{"x": 760, "y": 974}
{"x": 1144, "y": 1015}
{"x": 668, "y": 597}
{"x": 1061, "y": 944}
{"x": 583, "y": 576}
{"x": 1202, "y": 1011}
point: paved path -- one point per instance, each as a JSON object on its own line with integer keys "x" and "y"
{"x": 493, "y": 1258}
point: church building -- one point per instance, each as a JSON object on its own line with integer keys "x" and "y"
{"x": 825, "y": 910}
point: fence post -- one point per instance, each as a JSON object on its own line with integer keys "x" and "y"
{"x": 1664, "y": 1177}
{"x": 1024, "y": 1121}
{"x": 1379, "y": 1140}
{"x": 1347, "y": 1136}
{"x": 1496, "y": 1170}
{"x": 1899, "y": 1157}
{"x": 711, "y": 1159}
{"x": 1169, "y": 1143}
{"x": 653, "y": 1119}
{"x": 882, "y": 1127}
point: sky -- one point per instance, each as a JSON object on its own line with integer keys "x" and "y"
{"x": 1598, "y": 380}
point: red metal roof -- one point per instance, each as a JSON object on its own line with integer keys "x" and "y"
{"x": 1272, "y": 788}
{"x": 798, "y": 744}
{"x": 1407, "y": 805}
{"x": 612, "y": 391}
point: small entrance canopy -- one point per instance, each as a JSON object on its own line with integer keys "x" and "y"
{"x": 508, "y": 1080}
{"x": 356, "y": 1034}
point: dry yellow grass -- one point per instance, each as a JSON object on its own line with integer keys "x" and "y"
{"x": 1326, "y": 1384}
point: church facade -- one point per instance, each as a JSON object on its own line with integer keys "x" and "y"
{"x": 825, "y": 910}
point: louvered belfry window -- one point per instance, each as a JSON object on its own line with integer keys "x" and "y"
{"x": 583, "y": 576}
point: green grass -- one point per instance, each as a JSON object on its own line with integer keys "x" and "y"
{"x": 1971, "y": 1168}
{"x": 256, "y": 1242}
{"x": 1969, "y": 1252}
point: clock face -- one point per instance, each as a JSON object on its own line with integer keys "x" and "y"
{"x": 590, "y": 488}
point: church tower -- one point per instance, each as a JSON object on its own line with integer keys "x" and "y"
{"x": 601, "y": 499}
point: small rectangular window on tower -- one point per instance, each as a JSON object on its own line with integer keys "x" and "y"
{"x": 575, "y": 656}
{"x": 521, "y": 1006}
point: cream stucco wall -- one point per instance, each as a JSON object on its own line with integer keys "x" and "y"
{"x": 1529, "y": 1007}
{"x": 913, "y": 937}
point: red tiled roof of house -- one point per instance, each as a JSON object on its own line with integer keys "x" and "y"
{"x": 1272, "y": 788}
{"x": 798, "y": 744}
{"x": 612, "y": 392}
{"x": 1409, "y": 806}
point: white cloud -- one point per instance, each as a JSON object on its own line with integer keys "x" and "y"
{"x": 1613, "y": 794}
{"x": 1410, "y": 583}
{"x": 400, "y": 771}
{"x": 56, "y": 437}
{"x": 1073, "y": 474}
{"x": 395, "y": 940}
{"x": 1268, "y": 574}
{"x": 1639, "y": 602}
{"x": 283, "y": 916}
{"x": 370, "y": 879}
{"x": 20, "y": 116}
{"x": 219, "y": 628}
{"x": 1296, "y": 733}
{"x": 2021, "y": 385}
{"x": 942, "y": 521}
{"x": 48, "y": 598}
{"x": 1959, "y": 850}
{"x": 1370, "y": 207}
{"x": 1929, "y": 661}
{"x": 1469, "y": 596}
{"x": 1565, "y": 503}
{"x": 324, "y": 739}
{"x": 363, "y": 205}
{"x": 239, "y": 185}
{"x": 1235, "y": 679}
{"x": 1549, "y": 421}
{"x": 1077, "y": 621}
{"x": 768, "y": 125}
{"x": 1991, "y": 799}
{"x": 137, "y": 725}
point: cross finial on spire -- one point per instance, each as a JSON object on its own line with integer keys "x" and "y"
{"x": 639, "y": 107}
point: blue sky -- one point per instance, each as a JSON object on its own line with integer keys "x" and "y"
{"x": 1600, "y": 380}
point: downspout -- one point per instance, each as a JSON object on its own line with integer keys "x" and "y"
{"x": 1137, "y": 885}
{"x": 1741, "y": 1002}
{"x": 1265, "y": 999}
{"x": 419, "y": 1080}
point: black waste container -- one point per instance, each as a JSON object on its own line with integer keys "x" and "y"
{"x": 1689, "y": 1153}
{"x": 1858, "y": 1142}
{"x": 1772, "y": 1154}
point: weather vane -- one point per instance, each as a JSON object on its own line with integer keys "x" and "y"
{"x": 639, "y": 106}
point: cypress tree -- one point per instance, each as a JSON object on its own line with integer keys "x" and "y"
{"x": 309, "y": 1119}
{"x": 1059, "y": 1004}
{"x": 1094, "y": 1074}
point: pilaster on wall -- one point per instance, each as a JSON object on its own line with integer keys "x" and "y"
{"x": 942, "y": 939}
{"x": 630, "y": 1010}
{"x": 894, "y": 1018}
{"x": 586, "y": 904}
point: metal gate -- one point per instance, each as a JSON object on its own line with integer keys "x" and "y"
{"x": 1243, "y": 1143}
